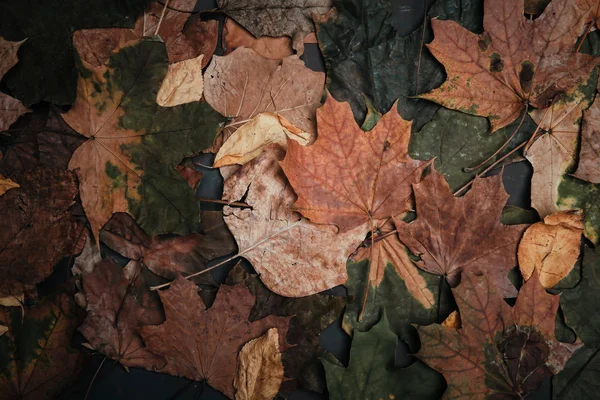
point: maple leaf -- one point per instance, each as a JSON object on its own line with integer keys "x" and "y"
{"x": 293, "y": 256}
{"x": 588, "y": 168}
{"x": 128, "y": 162}
{"x": 498, "y": 350}
{"x": 169, "y": 256}
{"x": 39, "y": 230}
{"x": 515, "y": 64}
{"x": 118, "y": 305}
{"x": 10, "y": 108}
{"x": 371, "y": 373}
{"x": 273, "y": 48}
{"x": 37, "y": 357}
{"x": 244, "y": 84}
{"x": 456, "y": 234}
{"x": 276, "y": 18}
{"x": 551, "y": 247}
{"x": 203, "y": 344}
{"x": 351, "y": 178}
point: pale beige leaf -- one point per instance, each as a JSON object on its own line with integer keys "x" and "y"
{"x": 84, "y": 264}
{"x": 452, "y": 321}
{"x": 6, "y": 184}
{"x": 249, "y": 141}
{"x": 182, "y": 84}
{"x": 260, "y": 370}
{"x": 551, "y": 247}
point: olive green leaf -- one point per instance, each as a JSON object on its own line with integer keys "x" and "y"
{"x": 579, "y": 379}
{"x": 577, "y": 194}
{"x": 371, "y": 373}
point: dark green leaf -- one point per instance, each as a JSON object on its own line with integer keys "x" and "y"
{"x": 579, "y": 379}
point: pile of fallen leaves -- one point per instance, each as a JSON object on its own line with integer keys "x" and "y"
{"x": 383, "y": 174}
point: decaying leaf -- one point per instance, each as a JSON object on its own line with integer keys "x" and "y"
{"x": 516, "y": 62}
{"x": 128, "y": 162}
{"x": 37, "y": 358}
{"x": 250, "y": 140}
{"x": 259, "y": 368}
{"x": 455, "y": 234}
{"x": 551, "y": 247}
{"x": 182, "y": 84}
{"x": 7, "y": 184}
{"x": 350, "y": 178}
{"x": 10, "y": 108}
{"x": 244, "y": 84}
{"x": 589, "y": 155}
{"x": 38, "y": 230}
{"x": 276, "y": 18}
{"x": 293, "y": 256}
{"x": 8, "y": 54}
{"x": 273, "y": 48}
{"x": 371, "y": 373}
{"x": 203, "y": 344}
{"x": 498, "y": 351}
{"x": 576, "y": 194}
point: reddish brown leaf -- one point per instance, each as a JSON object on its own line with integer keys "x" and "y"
{"x": 455, "y": 234}
{"x": 10, "y": 108}
{"x": 498, "y": 352}
{"x": 203, "y": 344}
{"x": 349, "y": 177}
{"x": 589, "y": 155}
{"x": 273, "y": 48}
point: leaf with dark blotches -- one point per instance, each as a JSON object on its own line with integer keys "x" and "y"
{"x": 498, "y": 351}
{"x": 371, "y": 373}
{"x": 38, "y": 229}
{"x": 455, "y": 234}
{"x": 203, "y": 345}
{"x": 37, "y": 359}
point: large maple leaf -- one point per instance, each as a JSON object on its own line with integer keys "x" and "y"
{"x": 499, "y": 351}
{"x": 517, "y": 62}
{"x": 202, "y": 344}
{"x": 454, "y": 234}
{"x": 349, "y": 177}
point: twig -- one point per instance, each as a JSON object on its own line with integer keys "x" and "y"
{"x": 94, "y": 379}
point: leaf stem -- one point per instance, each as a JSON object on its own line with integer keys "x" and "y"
{"x": 87, "y": 393}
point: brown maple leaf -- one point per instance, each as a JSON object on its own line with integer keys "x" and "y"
{"x": 589, "y": 154}
{"x": 118, "y": 305}
{"x": 514, "y": 64}
{"x": 352, "y": 178}
{"x": 203, "y": 344}
{"x": 293, "y": 256}
{"x": 455, "y": 234}
{"x": 498, "y": 351}
{"x": 10, "y": 108}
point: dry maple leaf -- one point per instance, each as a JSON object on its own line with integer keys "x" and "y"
{"x": 244, "y": 84}
{"x": 589, "y": 155}
{"x": 352, "y": 178}
{"x": 551, "y": 247}
{"x": 499, "y": 351}
{"x": 514, "y": 64}
{"x": 455, "y": 234}
{"x": 182, "y": 84}
{"x": 273, "y": 48}
{"x": 260, "y": 370}
{"x": 118, "y": 305}
{"x": 203, "y": 344}
{"x": 293, "y": 256}
{"x": 10, "y": 108}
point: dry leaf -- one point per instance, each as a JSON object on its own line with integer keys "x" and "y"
{"x": 182, "y": 84}
{"x": 17, "y": 300}
{"x": 250, "y": 140}
{"x": 551, "y": 247}
{"x": 203, "y": 35}
{"x": 516, "y": 62}
{"x": 293, "y": 256}
{"x": 589, "y": 154}
{"x": 8, "y": 55}
{"x": 6, "y": 184}
{"x": 273, "y": 48}
{"x": 454, "y": 234}
{"x": 452, "y": 321}
{"x": 349, "y": 177}
{"x": 200, "y": 344}
{"x": 259, "y": 370}
{"x": 3, "y": 329}
{"x": 10, "y": 108}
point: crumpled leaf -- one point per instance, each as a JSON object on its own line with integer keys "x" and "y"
{"x": 203, "y": 344}
{"x": 551, "y": 247}
{"x": 37, "y": 358}
{"x": 293, "y": 256}
{"x": 118, "y": 305}
{"x": 244, "y": 84}
{"x": 128, "y": 163}
{"x": 10, "y": 108}
{"x": 276, "y": 18}
{"x": 169, "y": 256}
{"x": 588, "y": 168}
{"x": 351, "y": 178}
{"x": 39, "y": 230}
{"x": 7, "y": 184}
{"x": 456, "y": 234}
{"x": 371, "y": 373}
{"x": 515, "y": 62}
{"x": 499, "y": 351}
{"x": 46, "y": 70}
{"x": 250, "y": 140}
{"x": 182, "y": 84}
{"x": 259, "y": 370}
{"x": 273, "y": 48}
